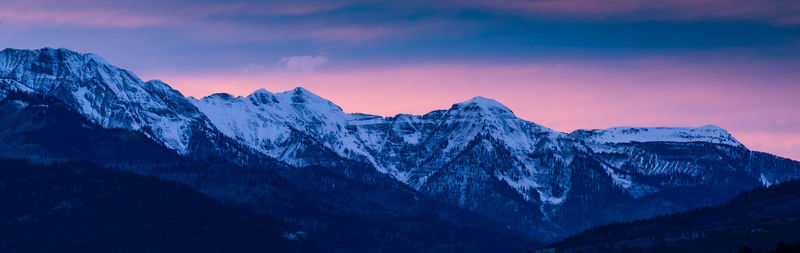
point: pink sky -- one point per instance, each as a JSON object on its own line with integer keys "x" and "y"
{"x": 761, "y": 113}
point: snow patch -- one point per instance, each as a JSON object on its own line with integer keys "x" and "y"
{"x": 764, "y": 181}
{"x": 619, "y": 180}
{"x": 85, "y": 105}
{"x": 98, "y": 59}
{"x": 20, "y": 105}
{"x": 294, "y": 235}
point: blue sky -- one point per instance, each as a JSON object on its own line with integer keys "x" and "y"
{"x": 191, "y": 35}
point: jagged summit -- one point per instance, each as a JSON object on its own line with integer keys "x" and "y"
{"x": 51, "y": 55}
{"x": 301, "y": 95}
{"x": 298, "y": 95}
{"x": 97, "y": 59}
{"x": 260, "y": 91}
{"x": 47, "y": 50}
{"x": 299, "y": 89}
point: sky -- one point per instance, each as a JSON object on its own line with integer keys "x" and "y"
{"x": 564, "y": 64}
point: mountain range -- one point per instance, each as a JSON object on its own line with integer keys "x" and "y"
{"x": 475, "y": 161}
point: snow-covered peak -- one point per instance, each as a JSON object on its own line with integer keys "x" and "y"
{"x": 262, "y": 97}
{"x": 161, "y": 87}
{"x": 295, "y": 99}
{"x": 707, "y": 133}
{"x": 303, "y": 90}
{"x": 97, "y": 59}
{"x": 106, "y": 95}
{"x": 310, "y": 100}
{"x": 41, "y": 67}
{"x": 483, "y": 104}
{"x": 260, "y": 91}
{"x": 48, "y": 55}
{"x": 269, "y": 122}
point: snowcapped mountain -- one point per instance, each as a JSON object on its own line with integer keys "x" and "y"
{"x": 440, "y": 139}
{"x": 409, "y": 147}
{"x": 476, "y": 155}
{"x": 112, "y": 98}
{"x": 708, "y": 133}
{"x": 285, "y": 125}
{"x": 108, "y": 96}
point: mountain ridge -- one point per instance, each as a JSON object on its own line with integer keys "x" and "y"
{"x": 476, "y": 155}
{"x": 484, "y": 102}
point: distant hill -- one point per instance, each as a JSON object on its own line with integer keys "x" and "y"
{"x": 757, "y": 219}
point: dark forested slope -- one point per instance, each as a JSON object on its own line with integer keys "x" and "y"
{"x": 757, "y": 219}
{"x": 77, "y": 207}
